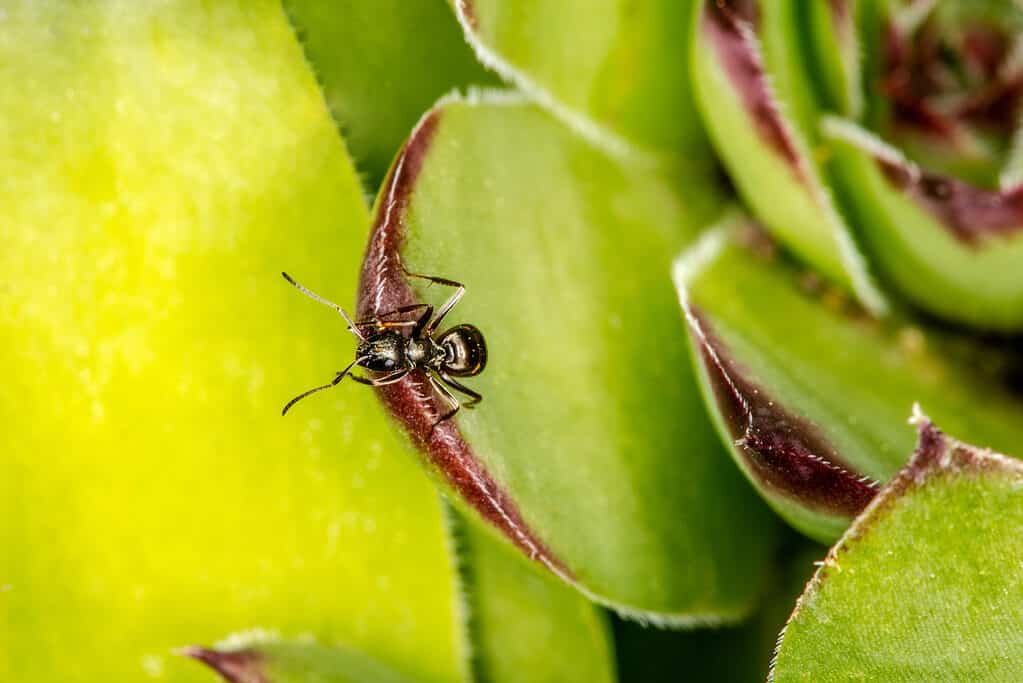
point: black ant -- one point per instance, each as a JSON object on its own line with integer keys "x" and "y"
{"x": 457, "y": 352}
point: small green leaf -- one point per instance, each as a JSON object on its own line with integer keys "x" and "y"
{"x": 622, "y": 76}
{"x": 925, "y": 586}
{"x": 525, "y": 624}
{"x": 758, "y": 108}
{"x": 161, "y": 164}
{"x": 808, "y": 391}
{"x": 381, "y": 63}
{"x": 264, "y": 658}
{"x": 590, "y": 449}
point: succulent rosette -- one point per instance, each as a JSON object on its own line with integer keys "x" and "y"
{"x": 720, "y": 253}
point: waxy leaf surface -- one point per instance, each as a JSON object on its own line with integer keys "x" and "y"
{"x": 382, "y": 63}
{"x": 590, "y": 450}
{"x": 809, "y": 391}
{"x": 925, "y": 586}
{"x": 160, "y": 165}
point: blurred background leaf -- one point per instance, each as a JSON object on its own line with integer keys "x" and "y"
{"x": 158, "y": 174}
{"x": 381, "y": 64}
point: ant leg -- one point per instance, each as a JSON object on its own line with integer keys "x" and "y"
{"x": 455, "y": 384}
{"x": 340, "y": 376}
{"x": 382, "y": 381}
{"x": 448, "y": 305}
{"x": 447, "y": 396}
{"x": 377, "y": 319}
{"x": 316, "y": 297}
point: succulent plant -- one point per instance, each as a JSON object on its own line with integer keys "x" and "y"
{"x": 720, "y": 251}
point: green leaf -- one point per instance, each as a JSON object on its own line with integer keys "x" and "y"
{"x": 525, "y": 624}
{"x": 951, "y": 248}
{"x": 809, "y": 392}
{"x": 831, "y": 30}
{"x": 925, "y": 585}
{"x": 758, "y": 107}
{"x": 622, "y": 78}
{"x": 590, "y": 449}
{"x": 381, "y": 63}
{"x": 162, "y": 163}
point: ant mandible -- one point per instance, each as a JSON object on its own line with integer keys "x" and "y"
{"x": 458, "y": 352}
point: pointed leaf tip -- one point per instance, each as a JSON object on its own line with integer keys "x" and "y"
{"x": 924, "y": 584}
{"x": 238, "y": 666}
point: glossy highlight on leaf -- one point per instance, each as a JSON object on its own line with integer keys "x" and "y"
{"x": 924, "y": 586}
{"x": 560, "y": 456}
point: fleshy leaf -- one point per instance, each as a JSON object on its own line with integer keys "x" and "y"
{"x": 382, "y": 63}
{"x": 590, "y": 450}
{"x": 837, "y": 52}
{"x": 925, "y": 585}
{"x": 525, "y": 624}
{"x": 952, "y": 248}
{"x": 622, "y": 83}
{"x": 808, "y": 390}
{"x": 161, "y": 164}
{"x": 259, "y": 658}
{"x": 758, "y": 107}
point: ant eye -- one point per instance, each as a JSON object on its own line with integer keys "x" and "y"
{"x": 388, "y": 363}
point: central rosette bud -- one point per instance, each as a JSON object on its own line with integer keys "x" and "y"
{"x": 952, "y": 83}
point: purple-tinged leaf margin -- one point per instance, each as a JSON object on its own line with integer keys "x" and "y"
{"x": 384, "y": 287}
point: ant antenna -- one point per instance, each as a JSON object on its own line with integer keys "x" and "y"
{"x": 316, "y": 297}
{"x": 340, "y": 376}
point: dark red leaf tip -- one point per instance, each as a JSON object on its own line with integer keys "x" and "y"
{"x": 237, "y": 666}
{"x": 969, "y": 213}
{"x": 731, "y": 28}
{"x": 784, "y": 452}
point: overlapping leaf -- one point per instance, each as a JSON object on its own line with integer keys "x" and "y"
{"x": 809, "y": 391}
{"x": 521, "y": 624}
{"x": 590, "y": 449}
{"x": 382, "y": 63}
{"x": 614, "y": 70}
{"x": 752, "y": 87}
{"x": 925, "y": 585}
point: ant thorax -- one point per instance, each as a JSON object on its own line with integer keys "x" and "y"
{"x": 423, "y": 351}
